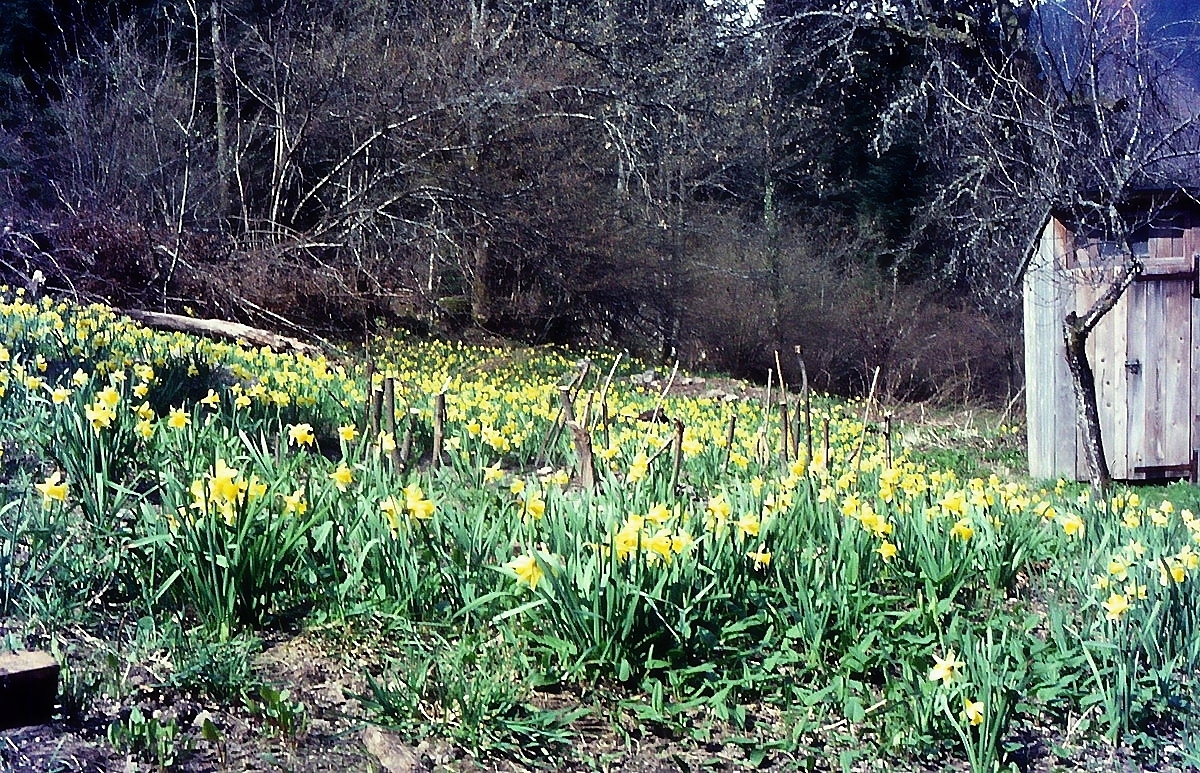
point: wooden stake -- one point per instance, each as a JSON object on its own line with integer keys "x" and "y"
{"x": 406, "y": 444}
{"x": 439, "y": 427}
{"x": 807, "y": 404}
{"x": 387, "y": 402}
{"x": 786, "y": 442}
{"x": 887, "y": 438}
{"x": 370, "y": 417}
{"x": 676, "y": 454}
{"x": 583, "y": 449}
{"x": 729, "y": 442}
{"x": 568, "y": 405}
{"x": 785, "y": 428}
{"x": 375, "y": 396}
{"x": 389, "y": 421}
{"x": 583, "y": 446}
{"x": 762, "y": 446}
{"x": 862, "y": 440}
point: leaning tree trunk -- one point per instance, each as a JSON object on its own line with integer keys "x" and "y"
{"x": 1076, "y": 330}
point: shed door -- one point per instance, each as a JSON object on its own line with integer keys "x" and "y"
{"x": 1142, "y": 354}
{"x": 1158, "y": 374}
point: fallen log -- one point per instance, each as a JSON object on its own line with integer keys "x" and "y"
{"x": 221, "y": 329}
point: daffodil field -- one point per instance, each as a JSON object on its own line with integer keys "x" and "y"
{"x": 786, "y": 577}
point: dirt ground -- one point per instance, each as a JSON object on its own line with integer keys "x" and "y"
{"x": 339, "y": 738}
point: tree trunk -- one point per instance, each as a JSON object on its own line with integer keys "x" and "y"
{"x": 232, "y": 331}
{"x": 1076, "y": 330}
{"x": 1087, "y": 410}
{"x": 219, "y": 111}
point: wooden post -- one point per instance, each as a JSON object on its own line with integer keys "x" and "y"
{"x": 785, "y": 428}
{"x": 439, "y": 427}
{"x": 862, "y": 439}
{"x": 807, "y": 404}
{"x": 370, "y": 416}
{"x": 389, "y": 421}
{"x": 583, "y": 447}
{"x": 406, "y": 444}
{"x": 887, "y": 439}
{"x": 28, "y": 687}
{"x": 568, "y": 406}
{"x": 676, "y": 454}
{"x": 729, "y": 442}
{"x": 808, "y": 441}
{"x": 388, "y": 407}
{"x": 785, "y": 440}
{"x": 375, "y": 396}
{"x": 762, "y": 447}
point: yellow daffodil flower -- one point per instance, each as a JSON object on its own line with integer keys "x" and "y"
{"x": 947, "y": 669}
{"x": 301, "y": 435}
{"x": 178, "y": 419}
{"x": 52, "y": 489}
{"x": 342, "y": 477}
{"x": 962, "y": 529}
{"x": 527, "y": 570}
{"x": 1072, "y": 525}
{"x": 972, "y": 711}
{"x": 638, "y": 468}
{"x": 760, "y": 557}
{"x": 1116, "y": 605}
{"x": 294, "y": 503}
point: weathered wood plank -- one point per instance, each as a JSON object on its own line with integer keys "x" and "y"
{"x": 1135, "y": 381}
{"x": 1154, "y": 370}
{"x": 28, "y": 687}
{"x": 1108, "y": 360}
{"x": 1191, "y": 247}
{"x": 1043, "y": 330}
{"x": 1166, "y": 252}
{"x": 1176, "y": 340}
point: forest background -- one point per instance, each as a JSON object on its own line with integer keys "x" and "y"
{"x": 698, "y": 180}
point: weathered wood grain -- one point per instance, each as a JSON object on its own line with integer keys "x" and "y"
{"x": 28, "y": 688}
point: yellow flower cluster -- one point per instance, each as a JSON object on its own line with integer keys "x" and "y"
{"x": 657, "y": 535}
{"x": 223, "y": 491}
{"x": 415, "y": 504}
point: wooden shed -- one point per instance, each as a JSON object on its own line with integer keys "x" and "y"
{"x": 1145, "y": 352}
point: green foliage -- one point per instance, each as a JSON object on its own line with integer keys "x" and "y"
{"x": 474, "y": 689}
{"x": 709, "y": 578}
{"x": 222, "y": 670}
{"x": 284, "y": 716}
{"x": 149, "y": 739}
